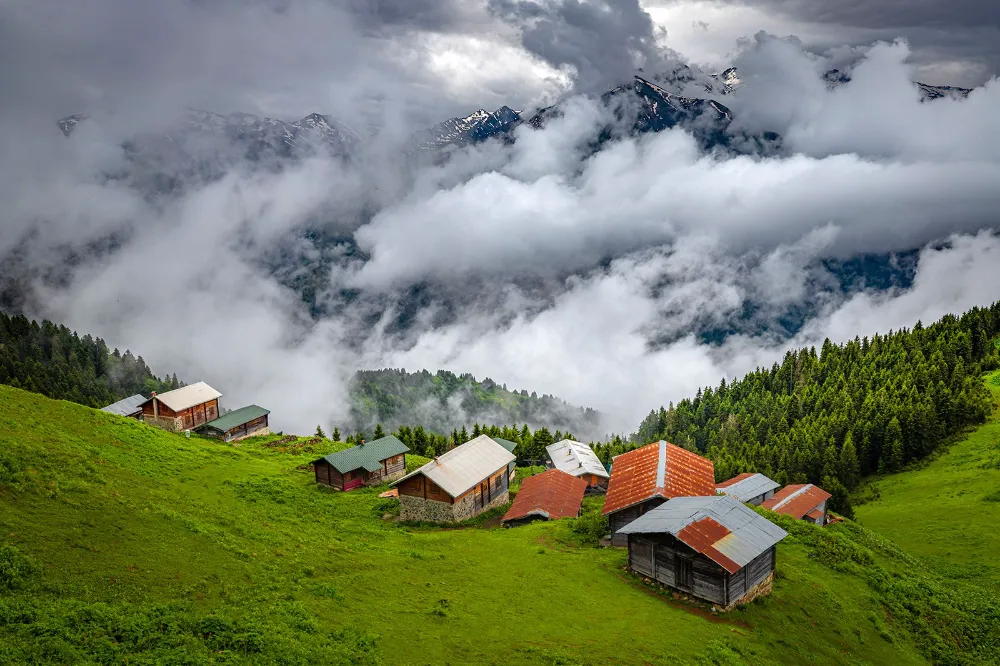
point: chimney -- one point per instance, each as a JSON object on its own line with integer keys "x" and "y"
{"x": 156, "y": 410}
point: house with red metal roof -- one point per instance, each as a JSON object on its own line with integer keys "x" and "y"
{"x": 550, "y": 495}
{"x": 713, "y": 548}
{"x": 802, "y": 501}
{"x": 649, "y": 476}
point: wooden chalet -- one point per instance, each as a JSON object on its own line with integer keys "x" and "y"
{"x": 714, "y": 548}
{"x": 367, "y": 464}
{"x": 510, "y": 446}
{"x": 130, "y": 407}
{"x": 185, "y": 408}
{"x": 579, "y": 460}
{"x": 457, "y": 485}
{"x": 249, "y": 421}
{"x": 749, "y": 488}
{"x": 551, "y": 495}
{"x": 802, "y": 502}
{"x": 649, "y": 476}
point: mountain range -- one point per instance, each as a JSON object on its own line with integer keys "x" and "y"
{"x": 644, "y": 105}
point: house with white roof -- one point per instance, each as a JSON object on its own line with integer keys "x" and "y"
{"x": 457, "y": 485}
{"x": 749, "y": 488}
{"x": 578, "y": 459}
{"x": 182, "y": 409}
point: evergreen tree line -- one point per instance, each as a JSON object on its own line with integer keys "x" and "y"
{"x": 443, "y": 401}
{"x": 422, "y": 442}
{"x": 56, "y": 362}
{"x": 833, "y": 416}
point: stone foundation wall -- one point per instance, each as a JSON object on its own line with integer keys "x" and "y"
{"x": 395, "y": 475}
{"x": 255, "y": 433}
{"x": 761, "y": 589}
{"x": 417, "y": 508}
{"x": 173, "y": 424}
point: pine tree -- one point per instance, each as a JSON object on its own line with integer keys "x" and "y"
{"x": 379, "y": 433}
{"x": 336, "y": 434}
{"x": 319, "y": 432}
{"x": 848, "y": 470}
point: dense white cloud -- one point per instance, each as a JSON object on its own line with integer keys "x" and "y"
{"x": 584, "y": 277}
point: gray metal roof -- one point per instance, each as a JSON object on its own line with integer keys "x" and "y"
{"x": 750, "y": 487}
{"x": 575, "y": 458}
{"x": 126, "y": 406}
{"x": 368, "y": 455}
{"x": 464, "y": 466}
{"x": 749, "y": 533}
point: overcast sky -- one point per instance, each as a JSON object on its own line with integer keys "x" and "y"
{"x": 579, "y": 276}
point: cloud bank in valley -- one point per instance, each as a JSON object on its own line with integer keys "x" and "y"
{"x": 540, "y": 264}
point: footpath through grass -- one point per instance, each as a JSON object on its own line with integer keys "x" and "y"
{"x": 946, "y": 510}
{"x": 122, "y": 543}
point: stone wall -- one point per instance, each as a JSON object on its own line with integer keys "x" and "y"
{"x": 761, "y": 589}
{"x": 256, "y": 433}
{"x": 417, "y": 508}
{"x": 395, "y": 475}
{"x": 171, "y": 423}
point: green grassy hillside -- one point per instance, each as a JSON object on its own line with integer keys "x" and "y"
{"x": 946, "y": 510}
{"x": 121, "y": 543}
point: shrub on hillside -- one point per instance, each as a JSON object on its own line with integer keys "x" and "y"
{"x": 16, "y": 568}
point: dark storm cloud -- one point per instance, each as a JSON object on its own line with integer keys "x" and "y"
{"x": 889, "y": 13}
{"x": 606, "y": 41}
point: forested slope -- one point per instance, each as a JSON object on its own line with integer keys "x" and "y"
{"x": 833, "y": 415}
{"x": 55, "y": 361}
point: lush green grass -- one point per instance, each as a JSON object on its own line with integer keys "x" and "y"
{"x": 946, "y": 511}
{"x": 121, "y": 542}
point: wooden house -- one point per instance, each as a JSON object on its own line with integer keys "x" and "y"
{"x": 649, "y": 476}
{"x": 579, "y": 460}
{"x": 367, "y": 464}
{"x": 749, "y": 488}
{"x": 130, "y": 407}
{"x": 457, "y": 485}
{"x": 185, "y": 408}
{"x": 249, "y": 421}
{"x": 510, "y": 446}
{"x": 713, "y": 548}
{"x": 802, "y": 502}
{"x": 551, "y": 495}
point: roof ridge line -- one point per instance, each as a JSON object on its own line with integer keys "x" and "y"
{"x": 661, "y": 465}
{"x": 788, "y": 499}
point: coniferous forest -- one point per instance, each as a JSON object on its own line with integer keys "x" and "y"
{"x": 833, "y": 415}
{"x": 56, "y": 362}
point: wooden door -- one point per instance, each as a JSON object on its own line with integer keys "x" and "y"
{"x": 478, "y": 501}
{"x": 683, "y": 573}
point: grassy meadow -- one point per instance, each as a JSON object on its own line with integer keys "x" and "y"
{"x": 946, "y": 509}
{"x": 120, "y": 543}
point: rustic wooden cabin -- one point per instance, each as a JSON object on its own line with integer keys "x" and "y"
{"x": 579, "y": 460}
{"x": 510, "y": 446}
{"x": 649, "y": 476}
{"x": 185, "y": 408}
{"x": 249, "y": 421}
{"x": 802, "y": 501}
{"x": 130, "y": 407}
{"x": 457, "y": 485}
{"x": 551, "y": 495}
{"x": 749, "y": 488}
{"x": 367, "y": 464}
{"x": 713, "y": 548}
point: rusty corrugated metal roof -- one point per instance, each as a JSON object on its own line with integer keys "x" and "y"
{"x": 815, "y": 514}
{"x": 553, "y": 494}
{"x": 660, "y": 469}
{"x": 797, "y": 500}
{"x": 720, "y": 527}
{"x": 735, "y": 479}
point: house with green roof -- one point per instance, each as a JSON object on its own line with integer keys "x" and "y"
{"x": 367, "y": 464}
{"x": 249, "y": 421}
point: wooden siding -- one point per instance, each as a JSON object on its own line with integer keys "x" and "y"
{"x": 620, "y": 519}
{"x": 482, "y": 493}
{"x": 672, "y": 563}
{"x": 328, "y": 475}
{"x": 190, "y": 417}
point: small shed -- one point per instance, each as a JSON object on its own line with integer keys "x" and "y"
{"x": 367, "y": 464}
{"x": 749, "y": 488}
{"x": 802, "y": 501}
{"x": 649, "y": 476}
{"x": 578, "y": 459}
{"x": 249, "y": 421}
{"x": 185, "y": 408}
{"x": 551, "y": 495}
{"x": 713, "y": 548}
{"x": 457, "y": 485}
{"x": 130, "y": 406}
